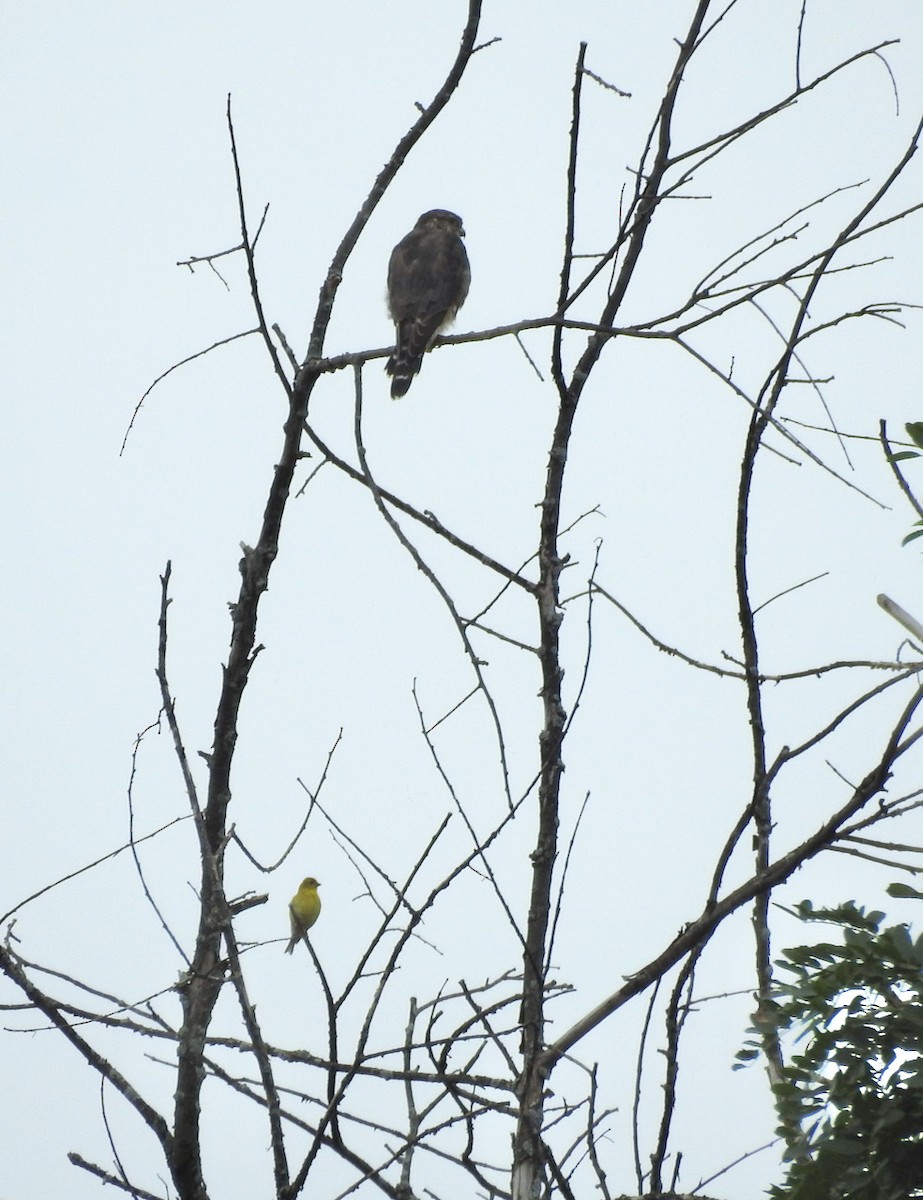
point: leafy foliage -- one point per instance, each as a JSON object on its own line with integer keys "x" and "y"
{"x": 915, "y": 433}
{"x": 850, "y": 1103}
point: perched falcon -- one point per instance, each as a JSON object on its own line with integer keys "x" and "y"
{"x": 428, "y": 279}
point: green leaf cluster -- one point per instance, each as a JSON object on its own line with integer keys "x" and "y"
{"x": 915, "y": 433}
{"x": 850, "y": 1100}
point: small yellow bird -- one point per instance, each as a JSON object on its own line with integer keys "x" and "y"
{"x": 304, "y": 909}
